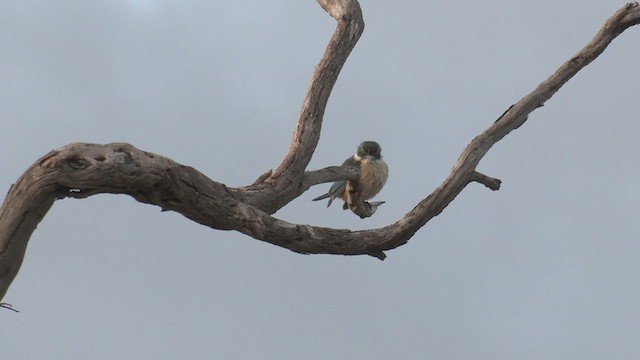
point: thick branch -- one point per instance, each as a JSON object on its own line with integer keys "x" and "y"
{"x": 25, "y": 206}
{"x": 81, "y": 170}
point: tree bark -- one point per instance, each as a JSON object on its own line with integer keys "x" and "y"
{"x": 80, "y": 170}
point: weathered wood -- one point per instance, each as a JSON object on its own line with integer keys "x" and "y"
{"x": 81, "y": 170}
{"x": 276, "y": 190}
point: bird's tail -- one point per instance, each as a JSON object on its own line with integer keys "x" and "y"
{"x": 321, "y": 197}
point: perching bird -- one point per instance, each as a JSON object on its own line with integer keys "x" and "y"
{"x": 373, "y": 174}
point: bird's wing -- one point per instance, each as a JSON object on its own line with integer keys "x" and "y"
{"x": 336, "y": 190}
{"x": 338, "y": 187}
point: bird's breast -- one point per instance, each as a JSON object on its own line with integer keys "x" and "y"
{"x": 373, "y": 176}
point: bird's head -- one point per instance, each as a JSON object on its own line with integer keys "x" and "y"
{"x": 369, "y": 150}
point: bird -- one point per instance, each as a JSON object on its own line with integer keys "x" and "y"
{"x": 373, "y": 174}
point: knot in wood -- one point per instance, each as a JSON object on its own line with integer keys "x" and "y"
{"x": 77, "y": 163}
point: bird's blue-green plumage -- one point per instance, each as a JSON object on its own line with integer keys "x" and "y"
{"x": 338, "y": 187}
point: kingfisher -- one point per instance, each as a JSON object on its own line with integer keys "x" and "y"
{"x": 373, "y": 174}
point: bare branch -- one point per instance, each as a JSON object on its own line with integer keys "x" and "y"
{"x": 491, "y": 183}
{"x": 329, "y": 174}
{"x": 278, "y": 190}
{"x": 81, "y": 170}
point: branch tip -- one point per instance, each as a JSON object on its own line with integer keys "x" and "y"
{"x": 380, "y": 255}
{"x": 338, "y": 9}
{"x": 491, "y": 183}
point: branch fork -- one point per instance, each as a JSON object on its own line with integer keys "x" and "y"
{"x": 81, "y": 170}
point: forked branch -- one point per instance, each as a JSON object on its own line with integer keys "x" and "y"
{"x": 81, "y": 170}
{"x": 276, "y": 190}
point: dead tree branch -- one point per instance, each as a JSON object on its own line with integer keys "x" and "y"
{"x": 81, "y": 170}
{"x": 284, "y": 184}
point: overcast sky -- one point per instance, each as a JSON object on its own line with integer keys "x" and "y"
{"x": 546, "y": 268}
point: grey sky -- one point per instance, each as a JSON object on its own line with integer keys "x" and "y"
{"x": 545, "y": 268}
